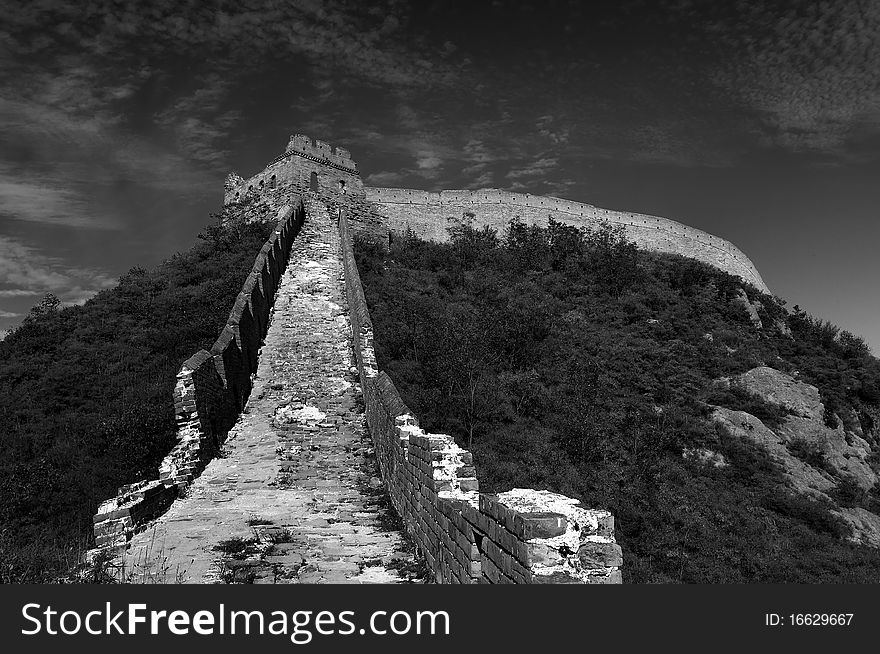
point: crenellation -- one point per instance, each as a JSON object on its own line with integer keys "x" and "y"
{"x": 299, "y": 142}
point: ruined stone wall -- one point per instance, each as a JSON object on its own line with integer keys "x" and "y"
{"x": 211, "y": 390}
{"x": 427, "y": 215}
{"x": 293, "y": 170}
{"x": 522, "y": 536}
{"x": 291, "y": 173}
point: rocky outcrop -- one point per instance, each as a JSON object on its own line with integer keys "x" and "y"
{"x": 865, "y": 525}
{"x": 801, "y": 476}
{"x": 845, "y": 452}
{"x": 840, "y": 454}
{"x": 775, "y": 387}
{"x": 751, "y": 309}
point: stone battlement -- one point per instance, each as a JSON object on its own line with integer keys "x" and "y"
{"x": 304, "y": 166}
{"x": 321, "y": 151}
{"x": 308, "y": 165}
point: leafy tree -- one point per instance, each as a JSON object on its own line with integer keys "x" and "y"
{"x": 568, "y": 359}
{"x": 86, "y": 395}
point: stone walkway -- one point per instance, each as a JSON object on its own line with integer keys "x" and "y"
{"x": 297, "y": 497}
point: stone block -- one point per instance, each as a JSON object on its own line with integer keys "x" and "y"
{"x": 542, "y": 525}
{"x": 558, "y": 577}
{"x": 600, "y": 555}
{"x": 469, "y": 485}
{"x": 611, "y": 577}
{"x": 543, "y": 554}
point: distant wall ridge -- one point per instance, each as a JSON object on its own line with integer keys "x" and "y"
{"x": 427, "y": 214}
{"x": 313, "y": 165}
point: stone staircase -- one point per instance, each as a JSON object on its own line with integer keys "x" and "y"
{"x": 297, "y": 496}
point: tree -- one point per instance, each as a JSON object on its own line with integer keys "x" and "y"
{"x": 615, "y": 260}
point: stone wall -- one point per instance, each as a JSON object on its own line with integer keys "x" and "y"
{"x": 291, "y": 173}
{"x": 427, "y": 215}
{"x": 211, "y": 391}
{"x": 376, "y": 212}
{"x": 521, "y": 536}
{"x": 293, "y": 170}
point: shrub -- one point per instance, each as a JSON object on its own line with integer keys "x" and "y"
{"x": 593, "y": 376}
{"x": 737, "y": 398}
{"x": 98, "y": 379}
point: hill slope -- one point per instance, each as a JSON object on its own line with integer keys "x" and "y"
{"x": 573, "y": 361}
{"x": 86, "y": 394}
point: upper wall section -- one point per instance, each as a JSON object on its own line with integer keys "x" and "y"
{"x": 292, "y": 171}
{"x": 427, "y": 215}
{"x": 308, "y": 165}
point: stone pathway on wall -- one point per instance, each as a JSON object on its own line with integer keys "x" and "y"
{"x": 297, "y": 497}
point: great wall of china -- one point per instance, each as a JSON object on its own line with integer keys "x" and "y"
{"x": 312, "y": 436}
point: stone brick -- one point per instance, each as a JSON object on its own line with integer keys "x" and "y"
{"x": 543, "y": 554}
{"x": 543, "y": 525}
{"x": 600, "y": 555}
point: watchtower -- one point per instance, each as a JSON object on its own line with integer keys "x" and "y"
{"x": 306, "y": 165}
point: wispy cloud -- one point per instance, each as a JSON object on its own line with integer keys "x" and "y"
{"x": 17, "y": 292}
{"x": 200, "y": 125}
{"x": 40, "y": 202}
{"x": 100, "y": 111}
{"x": 389, "y": 178}
{"x": 812, "y": 75}
{"x": 24, "y": 271}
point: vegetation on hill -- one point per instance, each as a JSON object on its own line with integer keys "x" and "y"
{"x": 570, "y": 360}
{"x": 86, "y": 394}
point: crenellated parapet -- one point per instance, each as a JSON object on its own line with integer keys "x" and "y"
{"x": 306, "y": 165}
{"x": 302, "y": 145}
{"x": 314, "y": 165}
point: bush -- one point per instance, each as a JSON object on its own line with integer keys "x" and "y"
{"x": 737, "y": 398}
{"x": 98, "y": 382}
{"x": 848, "y": 493}
{"x": 810, "y": 453}
{"x": 592, "y": 370}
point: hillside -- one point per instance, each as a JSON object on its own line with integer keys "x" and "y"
{"x": 733, "y": 440}
{"x": 86, "y": 393}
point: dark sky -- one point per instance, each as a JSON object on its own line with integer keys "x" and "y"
{"x": 756, "y": 121}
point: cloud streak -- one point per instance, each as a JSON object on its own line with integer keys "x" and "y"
{"x": 25, "y": 272}
{"x": 812, "y": 74}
